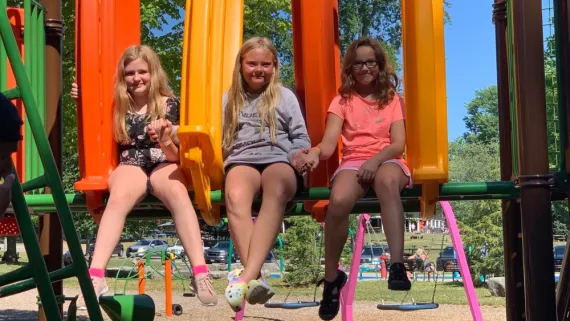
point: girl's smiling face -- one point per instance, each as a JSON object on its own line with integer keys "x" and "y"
{"x": 257, "y": 68}
{"x": 365, "y": 66}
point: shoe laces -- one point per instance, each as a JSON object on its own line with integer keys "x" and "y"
{"x": 205, "y": 284}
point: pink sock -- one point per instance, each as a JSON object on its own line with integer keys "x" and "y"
{"x": 200, "y": 269}
{"x": 98, "y": 273}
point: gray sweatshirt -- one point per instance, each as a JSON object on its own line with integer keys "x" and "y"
{"x": 253, "y": 147}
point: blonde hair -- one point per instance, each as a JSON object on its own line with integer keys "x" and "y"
{"x": 237, "y": 95}
{"x": 123, "y": 100}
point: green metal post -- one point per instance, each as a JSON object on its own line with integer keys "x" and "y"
{"x": 39, "y": 269}
{"x": 230, "y": 254}
{"x": 281, "y": 258}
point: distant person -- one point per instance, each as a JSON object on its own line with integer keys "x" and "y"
{"x": 10, "y": 125}
{"x": 145, "y": 115}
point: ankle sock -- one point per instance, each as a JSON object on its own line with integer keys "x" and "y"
{"x": 200, "y": 269}
{"x": 98, "y": 273}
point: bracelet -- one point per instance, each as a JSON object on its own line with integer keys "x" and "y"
{"x": 167, "y": 143}
{"x": 317, "y": 149}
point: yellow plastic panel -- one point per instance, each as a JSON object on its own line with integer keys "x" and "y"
{"x": 425, "y": 96}
{"x": 212, "y": 35}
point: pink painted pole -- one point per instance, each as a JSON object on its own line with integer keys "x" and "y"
{"x": 240, "y": 314}
{"x": 347, "y": 294}
{"x": 462, "y": 261}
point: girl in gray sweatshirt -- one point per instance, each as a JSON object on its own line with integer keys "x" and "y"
{"x": 264, "y": 138}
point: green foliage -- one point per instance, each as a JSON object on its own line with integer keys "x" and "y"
{"x": 303, "y": 251}
{"x": 480, "y": 221}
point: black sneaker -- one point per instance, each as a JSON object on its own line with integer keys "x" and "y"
{"x": 398, "y": 279}
{"x": 330, "y": 304}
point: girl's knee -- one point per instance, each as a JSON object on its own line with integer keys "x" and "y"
{"x": 236, "y": 199}
{"x": 339, "y": 205}
{"x": 387, "y": 184}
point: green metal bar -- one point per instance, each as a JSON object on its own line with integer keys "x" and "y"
{"x": 34, "y": 80}
{"x": 230, "y": 254}
{"x": 3, "y": 64}
{"x": 12, "y": 93}
{"x": 38, "y": 182}
{"x": 561, "y": 92}
{"x": 29, "y": 144}
{"x": 281, "y": 258}
{"x": 513, "y": 88}
{"x": 38, "y": 266}
{"x": 449, "y": 191}
{"x": 22, "y": 273}
{"x": 56, "y": 187}
{"x": 61, "y": 274}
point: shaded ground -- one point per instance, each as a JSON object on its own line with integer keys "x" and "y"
{"x": 21, "y": 307}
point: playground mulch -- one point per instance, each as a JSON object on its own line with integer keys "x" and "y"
{"x": 21, "y": 307}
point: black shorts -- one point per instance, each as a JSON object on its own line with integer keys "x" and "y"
{"x": 261, "y": 167}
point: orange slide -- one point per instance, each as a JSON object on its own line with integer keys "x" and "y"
{"x": 16, "y": 16}
{"x": 317, "y": 78}
{"x": 103, "y": 30}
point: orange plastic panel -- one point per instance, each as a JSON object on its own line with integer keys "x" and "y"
{"x": 317, "y": 75}
{"x": 104, "y": 29}
{"x": 16, "y": 17}
{"x": 425, "y": 95}
{"x": 316, "y": 52}
{"x": 212, "y": 37}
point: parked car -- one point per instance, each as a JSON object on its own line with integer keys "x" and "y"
{"x": 178, "y": 250}
{"x": 371, "y": 254}
{"x": 219, "y": 253}
{"x": 118, "y": 250}
{"x": 141, "y": 247}
{"x": 447, "y": 259}
{"x": 558, "y": 257}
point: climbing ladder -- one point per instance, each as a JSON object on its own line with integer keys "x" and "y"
{"x": 35, "y": 274}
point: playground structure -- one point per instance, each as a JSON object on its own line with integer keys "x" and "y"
{"x": 211, "y": 39}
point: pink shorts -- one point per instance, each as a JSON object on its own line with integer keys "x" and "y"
{"x": 354, "y": 165}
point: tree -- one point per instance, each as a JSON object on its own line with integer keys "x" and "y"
{"x": 480, "y": 221}
{"x": 482, "y": 120}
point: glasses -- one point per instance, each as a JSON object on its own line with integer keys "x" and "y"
{"x": 368, "y": 63}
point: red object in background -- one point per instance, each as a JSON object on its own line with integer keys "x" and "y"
{"x": 9, "y": 226}
{"x": 383, "y": 270}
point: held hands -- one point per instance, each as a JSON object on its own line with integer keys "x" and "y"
{"x": 367, "y": 172}
{"x": 74, "y": 91}
{"x": 159, "y": 130}
{"x": 305, "y": 160}
{"x": 6, "y": 193}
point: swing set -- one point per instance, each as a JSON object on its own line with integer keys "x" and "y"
{"x": 212, "y": 37}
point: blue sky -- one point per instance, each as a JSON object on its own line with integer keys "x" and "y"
{"x": 470, "y": 57}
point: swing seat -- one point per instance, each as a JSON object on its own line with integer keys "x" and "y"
{"x": 292, "y": 305}
{"x": 408, "y": 307}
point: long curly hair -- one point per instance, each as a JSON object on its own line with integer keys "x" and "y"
{"x": 386, "y": 80}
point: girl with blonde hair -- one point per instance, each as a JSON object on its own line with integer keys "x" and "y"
{"x": 264, "y": 135}
{"x": 145, "y": 112}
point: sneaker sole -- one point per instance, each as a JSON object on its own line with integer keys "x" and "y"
{"x": 259, "y": 295}
{"x": 399, "y": 286}
{"x": 236, "y": 299}
{"x": 327, "y": 317}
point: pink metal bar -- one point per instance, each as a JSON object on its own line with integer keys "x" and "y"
{"x": 347, "y": 294}
{"x": 462, "y": 261}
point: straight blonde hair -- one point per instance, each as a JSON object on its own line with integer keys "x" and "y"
{"x": 237, "y": 95}
{"x": 123, "y": 101}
